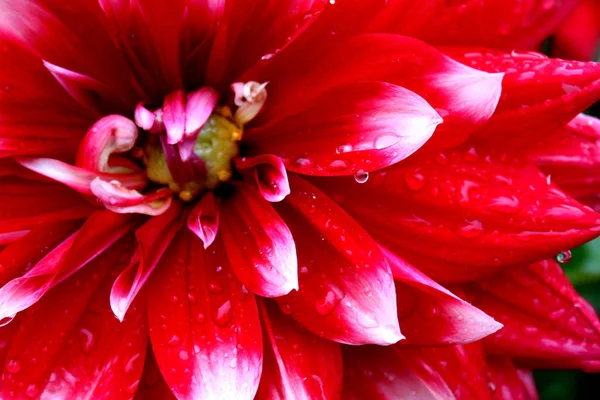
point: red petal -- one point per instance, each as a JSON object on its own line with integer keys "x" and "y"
{"x": 199, "y": 106}
{"x": 578, "y": 37}
{"x": 539, "y": 95}
{"x": 297, "y": 364}
{"x": 251, "y": 32}
{"x": 431, "y": 315}
{"x": 77, "y": 178}
{"x": 346, "y": 289}
{"x": 203, "y": 219}
{"x": 73, "y": 36}
{"x": 464, "y": 97}
{"x": 100, "y": 231}
{"x": 270, "y": 175}
{"x": 37, "y": 117}
{"x": 153, "y": 238}
{"x": 378, "y": 373}
{"x": 571, "y": 159}
{"x": 543, "y": 315}
{"x": 17, "y": 258}
{"x": 466, "y": 212}
{"x": 199, "y": 25}
{"x": 204, "y": 325}
{"x": 259, "y": 245}
{"x": 152, "y": 385}
{"x": 69, "y": 345}
{"x": 26, "y": 204}
{"x": 174, "y": 116}
{"x": 462, "y": 369}
{"x": 509, "y": 383}
{"x": 367, "y": 126}
{"x": 87, "y": 91}
{"x": 111, "y": 134}
{"x": 151, "y": 34}
{"x": 505, "y": 24}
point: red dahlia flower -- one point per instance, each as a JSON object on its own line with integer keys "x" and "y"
{"x": 254, "y": 188}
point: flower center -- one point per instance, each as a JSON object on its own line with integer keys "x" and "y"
{"x": 186, "y": 148}
{"x": 208, "y": 163}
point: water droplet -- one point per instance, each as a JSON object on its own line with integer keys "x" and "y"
{"x": 174, "y": 341}
{"x": 31, "y": 391}
{"x": 472, "y": 230}
{"x": 224, "y": 314}
{"x": 338, "y": 165}
{"x": 470, "y": 155}
{"x": 86, "y": 339}
{"x": 326, "y": 304}
{"x": 303, "y": 162}
{"x": 200, "y": 318}
{"x": 183, "y": 355}
{"x": 174, "y": 299}
{"x": 215, "y": 288}
{"x": 361, "y": 176}
{"x": 564, "y": 257}
{"x": 504, "y": 205}
{"x": 13, "y": 366}
{"x": 345, "y": 148}
{"x": 414, "y": 181}
{"x": 233, "y": 363}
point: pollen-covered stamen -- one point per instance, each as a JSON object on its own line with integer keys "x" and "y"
{"x": 250, "y": 98}
{"x": 194, "y": 152}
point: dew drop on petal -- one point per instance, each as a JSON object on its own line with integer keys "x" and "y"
{"x": 361, "y": 176}
{"x": 303, "y": 162}
{"x": 345, "y": 148}
{"x": 174, "y": 341}
{"x": 183, "y": 355}
{"x": 414, "y": 181}
{"x": 338, "y": 165}
{"x": 215, "y": 288}
{"x": 472, "y": 230}
{"x": 13, "y": 366}
{"x": 564, "y": 257}
{"x": 327, "y": 303}
{"x": 224, "y": 313}
{"x": 31, "y": 391}
{"x": 200, "y": 318}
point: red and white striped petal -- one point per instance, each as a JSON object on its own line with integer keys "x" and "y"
{"x": 153, "y": 238}
{"x": 542, "y": 314}
{"x": 298, "y": 365}
{"x": 204, "y": 325}
{"x": 70, "y": 346}
{"x": 100, "y": 231}
{"x": 430, "y": 314}
{"x": 269, "y": 174}
{"x": 367, "y": 126}
{"x": 346, "y": 290}
{"x": 110, "y": 134}
{"x": 203, "y": 219}
{"x": 259, "y": 245}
